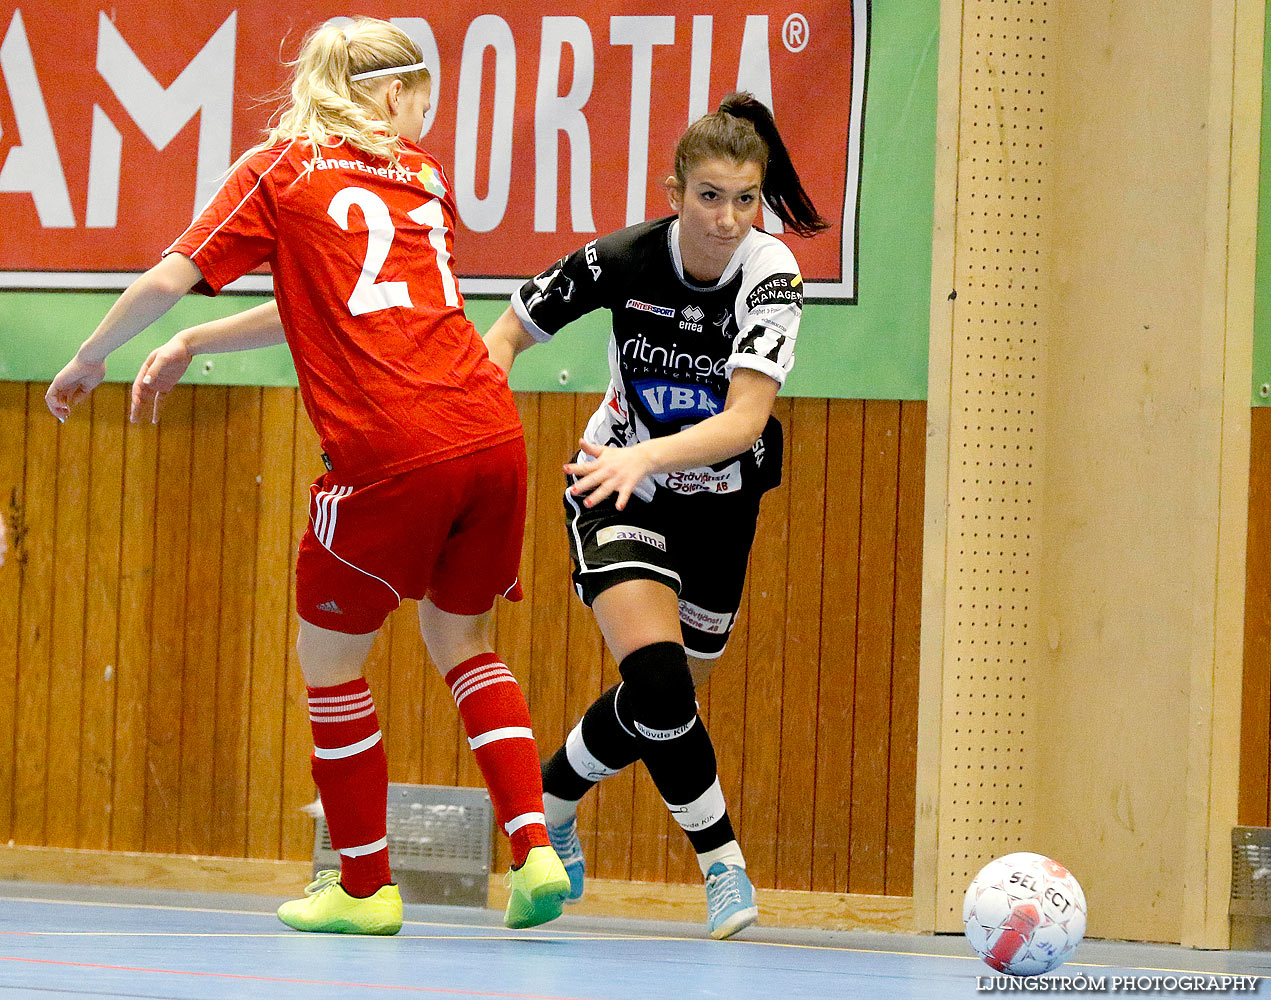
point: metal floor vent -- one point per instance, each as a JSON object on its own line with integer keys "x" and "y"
{"x": 1251, "y": 887}
{"x": 438, "y": 843}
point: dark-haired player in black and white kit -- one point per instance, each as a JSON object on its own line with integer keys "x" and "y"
{"x": 663, "y": 497}
{"x": 675, "y": 346}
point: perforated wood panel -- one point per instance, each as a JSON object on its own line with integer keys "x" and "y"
{"x": 992, "y": 630}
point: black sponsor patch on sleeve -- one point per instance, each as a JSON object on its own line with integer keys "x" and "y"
{"x": 747, "y": 345}
{"x": 751, "y": 343}
{"x": 777, "y": 288}
{"x": 562, "y": 293}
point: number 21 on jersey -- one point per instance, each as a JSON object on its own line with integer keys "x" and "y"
{"x": 369, "y": 294}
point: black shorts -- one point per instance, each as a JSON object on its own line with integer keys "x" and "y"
{"x": 698, "y": 544}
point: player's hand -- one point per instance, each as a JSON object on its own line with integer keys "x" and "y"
{"x": 612, "y": 471}
{"x": 72, "y": 385}
{"x": 158, "y": 376}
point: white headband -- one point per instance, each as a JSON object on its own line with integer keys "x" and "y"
{"x": 391, "y": 70}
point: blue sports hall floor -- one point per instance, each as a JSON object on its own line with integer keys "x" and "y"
{"x": 76, "y": 941}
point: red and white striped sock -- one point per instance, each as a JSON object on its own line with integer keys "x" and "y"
{"x": 497, "y": 721}
{"x": 351, "y": 772}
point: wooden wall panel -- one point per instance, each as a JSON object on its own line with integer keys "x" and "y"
{"x": 101, "y": 616}
{"x": 66, "y": 677}
{"x": 831, "y": 855}
{"x": 271, "y": 631}
{"x": 167, "y": 636}
{"x": 39, "y": 509}
{"x": 806, "y": 442}
{"x": 237, "y": 611}
{"x": 13, "y": 396}
{"x": 202, "y": 619}
{"x": 902, "y": 732}
{"x": 136, "y": 594}
{"x": 158, "y": 564}
{"x": 1255, "y": 726}
{"x": 875, "y": 608}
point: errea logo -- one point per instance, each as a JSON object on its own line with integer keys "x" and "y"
{"x": 692, "y": 317}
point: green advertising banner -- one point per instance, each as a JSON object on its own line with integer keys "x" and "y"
{"x": 1262, "y": 282}
{"x": 861, "y": 128}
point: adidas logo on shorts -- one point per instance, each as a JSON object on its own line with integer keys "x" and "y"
{"x": 331, "y": 607}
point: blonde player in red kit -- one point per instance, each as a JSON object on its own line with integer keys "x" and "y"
{"x": 424, "y": 496}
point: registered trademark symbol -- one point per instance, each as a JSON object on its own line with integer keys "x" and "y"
{"x": 795, "y": 33}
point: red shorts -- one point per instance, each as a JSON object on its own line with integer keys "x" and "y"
{"x": 450, "y": 532}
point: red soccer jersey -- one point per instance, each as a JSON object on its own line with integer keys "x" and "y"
{"x": 392, "y": 373}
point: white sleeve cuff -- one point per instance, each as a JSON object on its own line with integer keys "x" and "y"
{"x": 540, "y": 335}
{"x": 770, "y": 368}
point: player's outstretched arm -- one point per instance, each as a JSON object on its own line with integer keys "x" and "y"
{"x": 729, "y": 432}
{"x": 506, "y": 339}
{"x": 142, "y": 302}
{"x": 259, "y": 326}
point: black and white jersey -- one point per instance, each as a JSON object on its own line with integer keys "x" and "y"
{"x": 675, "y": 343}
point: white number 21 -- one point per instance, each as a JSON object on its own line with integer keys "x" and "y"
{"x": 370, "y": 295}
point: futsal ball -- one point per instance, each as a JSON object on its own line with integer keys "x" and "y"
{"x": 1024, "y": 914}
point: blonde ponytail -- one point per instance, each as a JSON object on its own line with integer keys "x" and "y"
{"x": 327, "y": 106}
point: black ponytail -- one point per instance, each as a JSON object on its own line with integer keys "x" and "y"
{"x": 743, "y": 130}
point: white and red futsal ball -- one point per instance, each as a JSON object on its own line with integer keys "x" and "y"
{"x": 1024, "y": 914}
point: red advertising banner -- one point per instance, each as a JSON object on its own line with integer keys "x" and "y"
{"x": 116, "y": 125}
